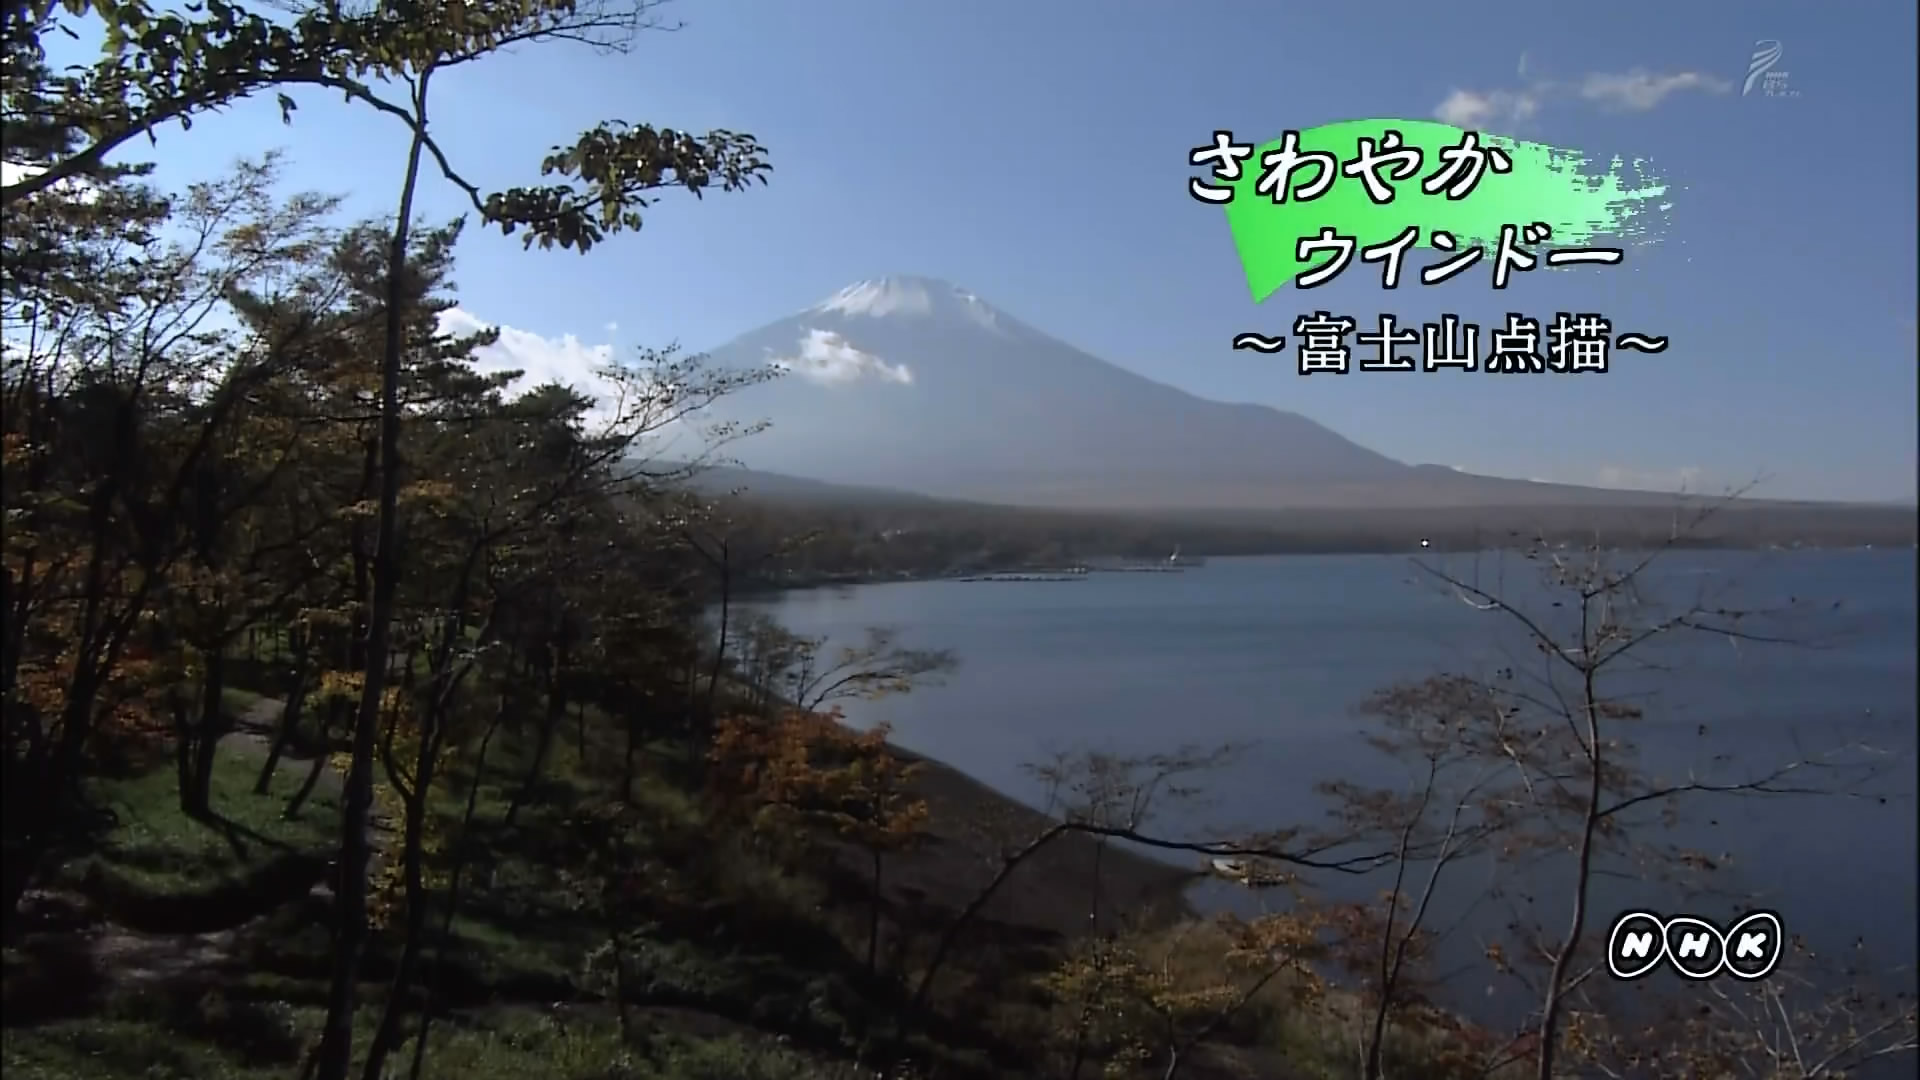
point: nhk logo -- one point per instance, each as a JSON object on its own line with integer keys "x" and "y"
{"x": 1749, "y": 947}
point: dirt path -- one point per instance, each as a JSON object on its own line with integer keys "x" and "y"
{"x": 261, "y": 719}
{"x": 259, "y": 724}
{"x": 131, "y": 958}
{"x": 134, "y": 958}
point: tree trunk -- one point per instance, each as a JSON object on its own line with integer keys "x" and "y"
{"x": 350, "y": 894}
{"x": 1093, "y": 899}
{"x": 1551, "y": 1008}
{"x": 328, "y": 721}
{"x": 183, "y": 736}
{"x": 873, "y": 918}
{"x": 455, "y": 875}
{"x": 689, "y": 724}
{"x": 289, "y": 720}
{"x": 196, "y": 799}
{"x": 1083, "y": 1024}
{"x": 556, "y": 712}
{"x": 206, "y": 753}
{"x": 1372, "y": 1063}
{"x": 412, "y": 860}
{"x": 554, "y": 686}
{"x": 621, "y": 994}
{"x": 720, "y": 646}
{"x": 627, "y": 765}
{"x": 289, "y": 729}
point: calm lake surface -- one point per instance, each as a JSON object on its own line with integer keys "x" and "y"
{"x": 1276, "y": 652}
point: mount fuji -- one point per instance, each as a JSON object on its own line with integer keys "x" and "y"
{"x": 918, "y": 385}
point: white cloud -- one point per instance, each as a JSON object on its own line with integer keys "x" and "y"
{"x": 1487, "y": 109}
{"x": 612, "y": 328}
{"x": 1636, "y": 90}
{"x": 568, "y": 361}
{"x": 827, "y": 357}
{"x": 565, "y": 360}
{"x": 12, "y": 172}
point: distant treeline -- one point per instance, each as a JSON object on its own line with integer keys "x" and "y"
{"x": 783, "y": 541}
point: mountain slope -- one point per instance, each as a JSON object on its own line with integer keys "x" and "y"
{"x": 762, "y": 486}
{"x": 915, "y": 384}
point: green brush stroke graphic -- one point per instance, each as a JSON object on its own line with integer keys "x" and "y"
{"x": 1559, "y": 187}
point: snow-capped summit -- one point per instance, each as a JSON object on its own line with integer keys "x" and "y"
{"x": 908, "y": 295}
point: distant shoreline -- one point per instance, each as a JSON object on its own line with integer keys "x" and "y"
{"x": 1058, "y": 575}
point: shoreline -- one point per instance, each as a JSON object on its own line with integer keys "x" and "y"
{"x": 972, "y": 827}
{"x": 1013, "y": 575}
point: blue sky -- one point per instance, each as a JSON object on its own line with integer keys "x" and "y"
{"x": 1035, "y": 153}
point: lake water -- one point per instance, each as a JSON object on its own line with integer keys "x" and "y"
{"x": 1276, "y": 652}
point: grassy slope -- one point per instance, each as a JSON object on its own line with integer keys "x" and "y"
{"x": 748, "y": 967}
{"x": 156, "y": 849}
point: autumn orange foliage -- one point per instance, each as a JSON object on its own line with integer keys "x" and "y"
{"x": 811, "y": 770}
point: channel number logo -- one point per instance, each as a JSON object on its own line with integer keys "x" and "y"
{"x": 1748, "y": 948}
